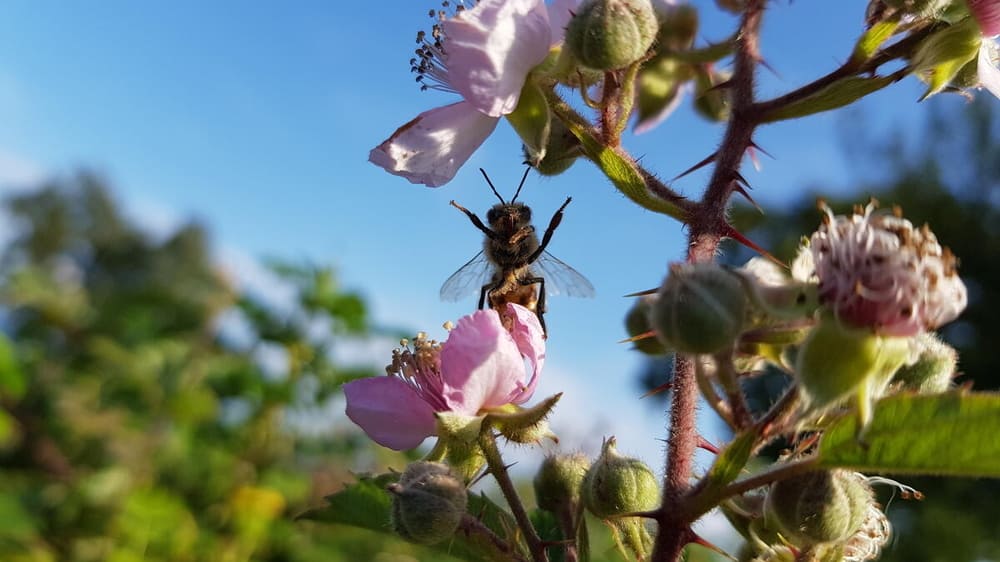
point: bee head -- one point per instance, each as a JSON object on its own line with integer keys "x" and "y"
{"x": 508, "y": 217}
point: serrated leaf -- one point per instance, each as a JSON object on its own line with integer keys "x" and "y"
{"x": 366, "y": 504}
{"x": 838, "y": 94}
{"x": 945, "y": 434}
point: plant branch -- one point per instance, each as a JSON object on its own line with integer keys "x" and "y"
{"x": 702, "y": 503}
{"x": 498, "y": 469}
{"x": 472, "y": 526}
{"x": 707, "y": 226}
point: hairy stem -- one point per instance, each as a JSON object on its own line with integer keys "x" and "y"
{"x": 498, "y": 469}
{"x": 707, "y": 226}
{"x": 471, "y": 526}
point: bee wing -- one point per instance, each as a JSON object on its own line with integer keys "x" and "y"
{"x": 560, "y": 278}
{"x": 469, "y": 279}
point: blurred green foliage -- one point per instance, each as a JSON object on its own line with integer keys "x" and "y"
{"x": 151, "y": 411}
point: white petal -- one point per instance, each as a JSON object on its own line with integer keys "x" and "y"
{"x": 492, "y": 47}
{"x": 989, "y": 75}
{"x": 432, "y": 147}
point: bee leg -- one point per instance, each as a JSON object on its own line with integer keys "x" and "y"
{"x": 540, "y": 304}
{"x": 553, "y": 223}
{"x": 482, "y": 294}
{"x": 477, "y": 222}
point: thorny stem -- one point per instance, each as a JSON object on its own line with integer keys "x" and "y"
{"x": 499, "y": 471}
{"x": 470, "y": 525}
{"x": 707, "y": 226}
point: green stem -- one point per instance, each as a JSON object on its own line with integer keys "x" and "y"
{"x": 498, "y": 469}
{"x": 709, "y": 497}
{"x": 627, "y": 176}
{"x": 725, "y": 371}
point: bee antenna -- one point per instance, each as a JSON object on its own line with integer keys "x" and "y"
{"x": 495, "y": 192}
{"x": 520, "y": 185}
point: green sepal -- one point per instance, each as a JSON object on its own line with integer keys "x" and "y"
{"x": 940, "y": 57}
{"x": 710, "y": 53}
{"x": 873, "y": 38}
{"x": 531, "y": 120}
{"x": 460, "y": 437}
{"x": 524, "y": 425}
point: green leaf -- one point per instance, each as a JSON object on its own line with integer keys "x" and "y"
{"x": 838, "y": 94}
{"x": 947, "y": 434}
{"x": 707, "y": 54}
{"x": 873, "y": 38}
{"x": 366, "y": 504}
{"x": 731, "y": 461}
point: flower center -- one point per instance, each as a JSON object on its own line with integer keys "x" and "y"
{"x": 419, "y": 366}
{"x": 431, "y": 63}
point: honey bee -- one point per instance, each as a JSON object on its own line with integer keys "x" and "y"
{"x": 512, "y": 261}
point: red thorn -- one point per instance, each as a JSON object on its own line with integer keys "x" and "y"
{"x": 739, "y": 189}
{"x": 702, "y": 164}
{"x": 643, "y": 293}
{"x": 739, "y": 177}
{"x": 761, "y": 150}
{"x": 738, "y": 236}
{"x": 694, "y": 538}
{"x": 662, "y": 388}
{"x": 642, "y": 336}
{"x": 707, "y": 445}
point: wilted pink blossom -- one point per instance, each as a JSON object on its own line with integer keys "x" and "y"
{"x": 877, "y": 271}
{"x": 987, "y": 15}
{"x": 483, "y": 53}
{"x": 481, "y": 365}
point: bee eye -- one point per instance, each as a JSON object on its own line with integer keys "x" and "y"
{"x": 526, "y": 213}
{"x": 492, "y": 216}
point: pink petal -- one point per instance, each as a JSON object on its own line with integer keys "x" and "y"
{"x": 530, "y": 340}
{"x": 987, "y": 14}
{"x": 560, "y": 13}
{"x": 389, "y": 411}
{"x": 431, "y": 148}
{"x": 480, "y": 364}
{"x": 989, "y": 75}
{"x": 492, "y": 47}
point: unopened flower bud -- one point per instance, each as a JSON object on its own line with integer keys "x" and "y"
{"x": 561, "y": 150}
{"x": 616, "y": 485}
{"x": 558, "y": 481}
{"x": 637, "y": 323}
{"x": 934, "y": 368}
{"x": 711, "y": 99}
{"x": 699, "y": 309}
{"x": 678, "y": 26}
{"x": 822, "y": 506}
{"x": 940, "y": 57}
{"x": 611, "y": 34}
{"x": 428, "y": 503}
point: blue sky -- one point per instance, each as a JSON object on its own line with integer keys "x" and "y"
{"x": 258, "y": 118}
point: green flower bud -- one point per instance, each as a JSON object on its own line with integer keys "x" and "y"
{"x": 616, "y": 485}
{"x": 710, "y": 100}
{"x": 611, "y": 34}
{"x": 699, "y": 309}
{"x": 822, "y": 506}
{"x": 558, "y": 481}
{"x": 637, "y": 323}
{"x": 678, "y": 26}
{"x": 562, "y": 148}
{"x": 836, "y": 361}
{"x": 428, "y": 503}
{"x": 933, "y": 370}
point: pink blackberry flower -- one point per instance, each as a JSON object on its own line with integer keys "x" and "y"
{"x": 877, "y": 271}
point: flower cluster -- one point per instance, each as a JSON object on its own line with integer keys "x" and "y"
{"x": 878, "y": 271}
